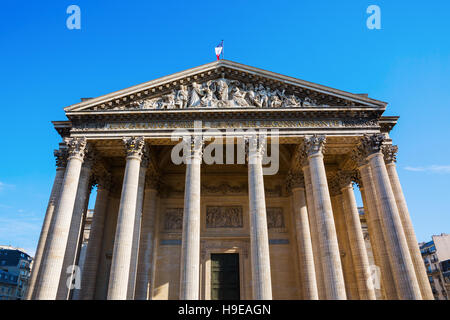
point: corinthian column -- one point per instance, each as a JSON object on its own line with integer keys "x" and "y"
{"x": 82, "y": 197}
{"x": 306, "y": 257}
{"x": 89, "y": 273}
{"x": 190, "y": 245}
{"x": 61, "y": 162}
{"x": 53, "y": 257}
{"x": 146, "y": 247}
{"x": 390, "y": 152}
{"x": 360, "y": 259}
{"x": 123, "y": 243}
{"x": 331, "y": 261}
{"x": 377, "y": 238}
{"x": 314, "y": 233}
{"x": 137, "y": 228}
{"x": 397, "y": 246}
{"x": 259, "y": 238}
{"x": 351, "y": 286}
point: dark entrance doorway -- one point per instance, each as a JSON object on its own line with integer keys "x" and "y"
{"x": 225, "y": 276}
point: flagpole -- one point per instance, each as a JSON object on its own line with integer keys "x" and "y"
{"x": 223, "y": 51}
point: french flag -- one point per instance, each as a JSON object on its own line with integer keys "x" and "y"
{"x": 219, "y": 49}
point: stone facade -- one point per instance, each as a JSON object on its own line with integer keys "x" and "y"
{"x": 157, "y": 222}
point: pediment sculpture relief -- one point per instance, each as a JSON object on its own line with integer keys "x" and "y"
{"x": 221, "y": 93}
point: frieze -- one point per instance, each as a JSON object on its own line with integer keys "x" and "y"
{"x": 224, "y": 217}
{"x": 223, "y": 188}
{"x": 189, "y": 124}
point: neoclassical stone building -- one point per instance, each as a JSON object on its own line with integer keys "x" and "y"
{"x": 228, "y": 230}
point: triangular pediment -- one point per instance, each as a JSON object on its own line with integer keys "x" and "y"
{"x": 223, "y": 84}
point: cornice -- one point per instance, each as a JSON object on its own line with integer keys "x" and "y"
{"x": 62, "y": 127}
{"x": 387, "y": 123}
{"x": 251, "y": 113}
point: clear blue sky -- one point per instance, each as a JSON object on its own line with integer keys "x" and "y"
{"x": 44, "y": 67}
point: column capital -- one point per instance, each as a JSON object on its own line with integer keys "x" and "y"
{"x": 89, "y": 157}
{"x": 358, "y": 155}
{"x": 104, "y": 181}
{"x": 92, "y": 183}
{"x": 314, "y": 144}
{"x": 61, "y": 155}
{"x": 145, "y": 159}
{"x": 300, "y": 157}
{"x": 134, "y": 146}
{"x": 101, "y": 175}
{"x": 390, "y": 153}
{"x": 334, "y": 187}
{"x": 372, "y": 143}
{"x": 345, "y": 179}
{"x": 295, "y": 180}
{"x": 255, "y": 145}
{"x": 357, "y": 179}
{"x": 76, "y": 147}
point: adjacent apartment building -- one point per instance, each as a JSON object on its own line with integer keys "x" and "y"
{"x": 436, "y": 256}
{"x": 15, "y": 267}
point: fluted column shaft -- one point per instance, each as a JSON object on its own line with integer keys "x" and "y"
{"x": 351, "y": 286}
{"x": 399, "y": 256}
{"x": 123, "y": 243}
{"x": 75, "y": 231}
{"x": 137, "y": 231}
{"x": 377, "y": 238}
{"x": 53, "y": 258}
{"x": 89, "y": 273}
{"x": 190, "y": 246}
{"x": 146, "y": 247}
{"x": 52, "y": 203}
{"x": 307, "y": 269}
{"x": 259, "y": 238}
{"x": 331, "y": 261}
{"x": 77, "y": 271}
{"x": 410, "y": 235}
{"x": 314, "y": 234}
{"x": 360, "y": 259}
{"x": 376, "y": 277}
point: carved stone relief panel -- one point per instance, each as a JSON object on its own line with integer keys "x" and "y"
{"x": 223, "y": 188}
{"x": 275, "y": 220}
{"x": 220, "y": 93}
{"x": 224, "y": 217}
{"x": 173, "y": 219}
